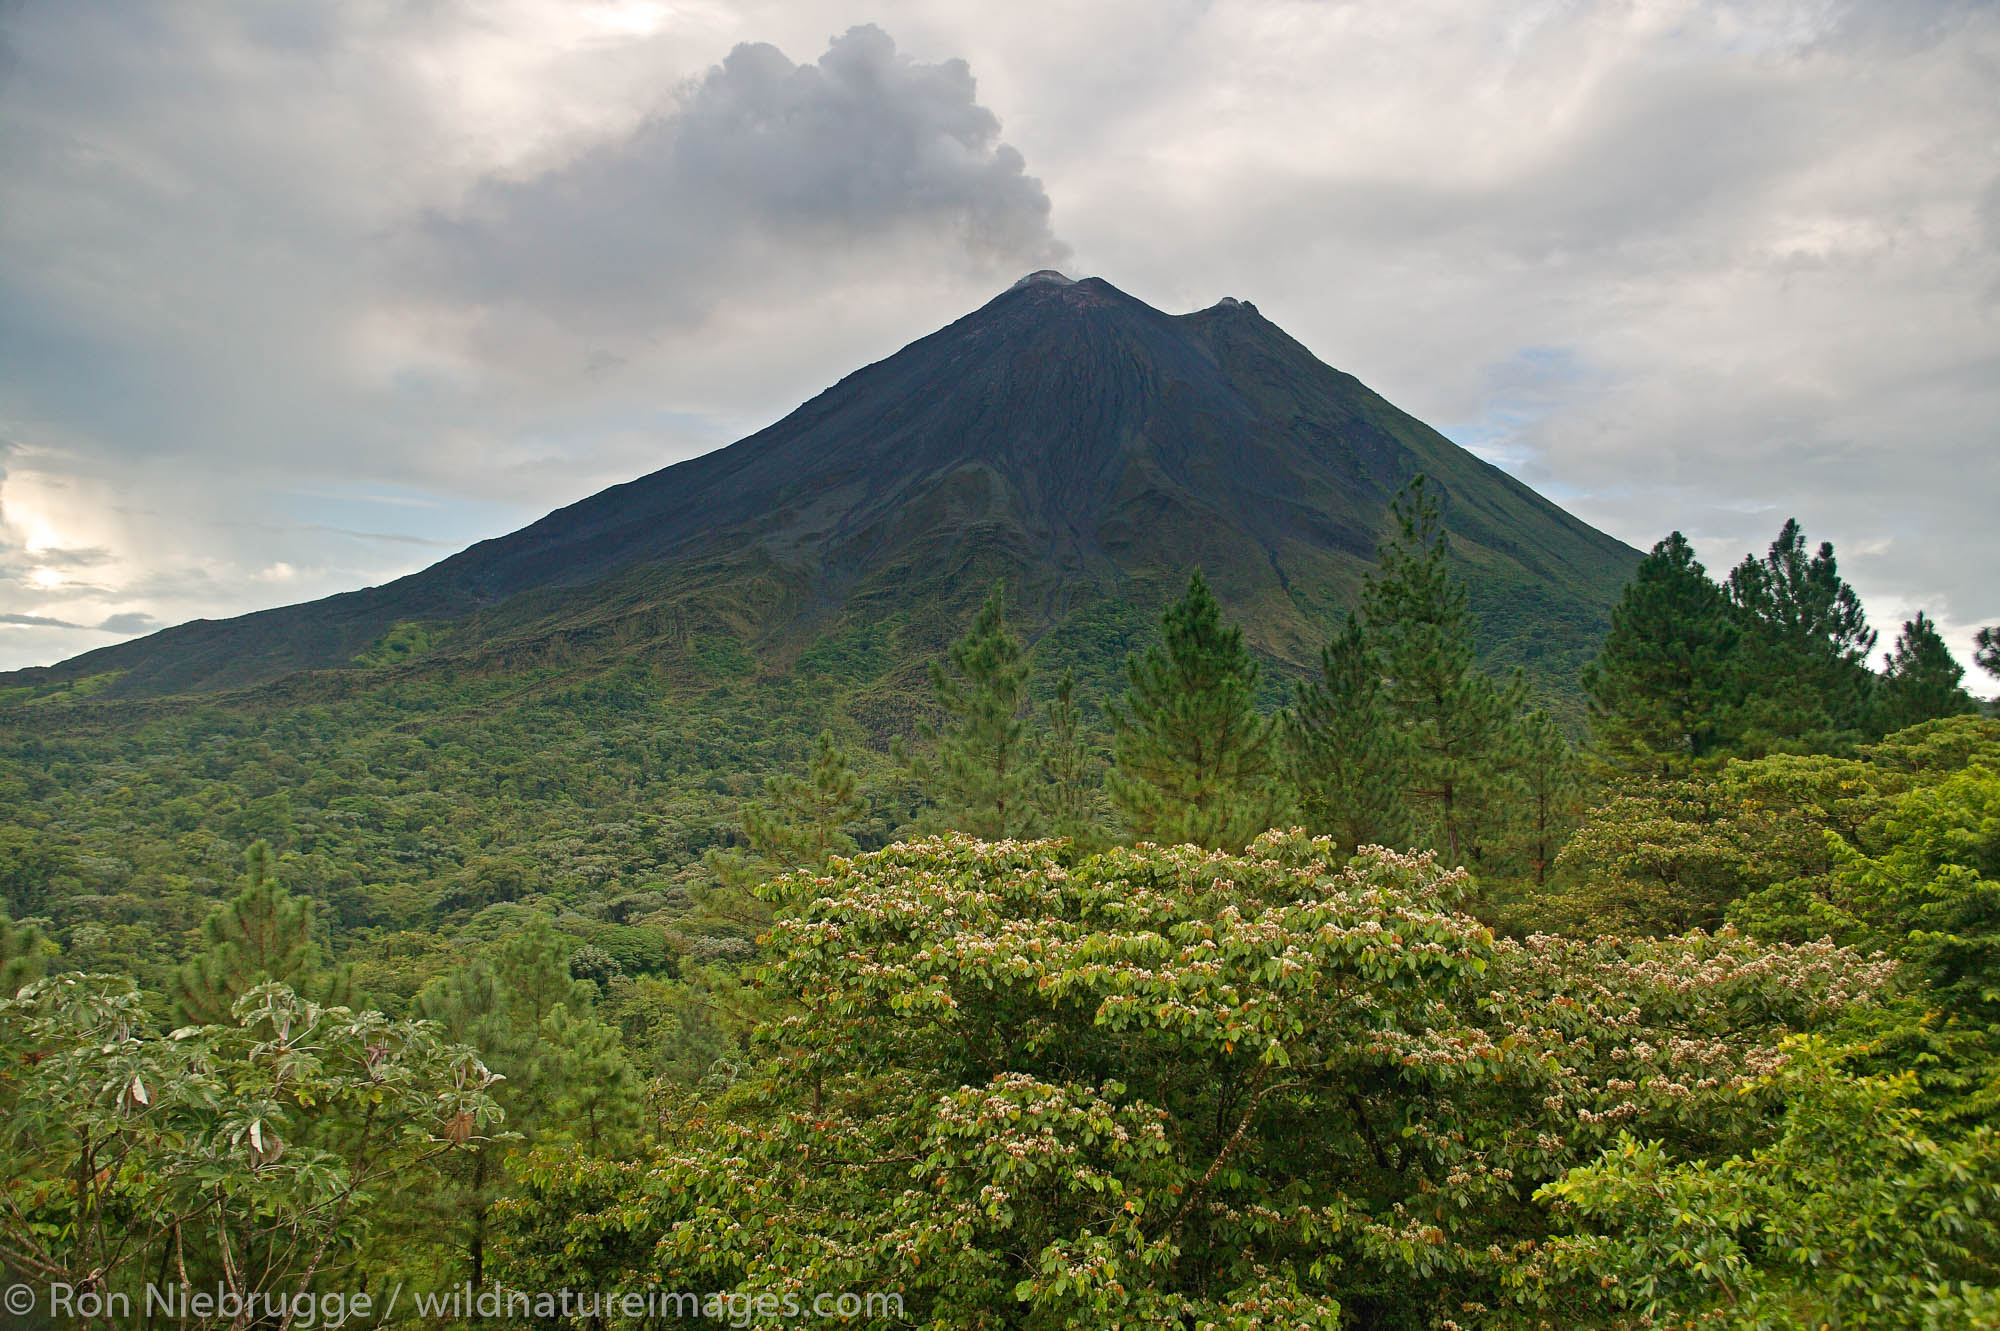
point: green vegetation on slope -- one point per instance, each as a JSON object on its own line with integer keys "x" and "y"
{"x": 691, "y": 1011}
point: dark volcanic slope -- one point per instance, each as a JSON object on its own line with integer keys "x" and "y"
{"x": 1065, "y": 434}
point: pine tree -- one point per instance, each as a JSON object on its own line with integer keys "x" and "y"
{"x": 23, "y": 955}
{"x": 1920, "y": 680}
{"x": 501, "y": 1004}
{"x": 1986, "y": 650}
{"x": 979, "y": 771}
{"x": 262, "y": 933}
{"x": 531, "y": 968}
{"x": 1451, "y": 718}
{"x": 1194, "y": 761}
{"x": 1070, "y": 794}
{"x": 1663, "y": 691}
{"x": 801, "y": 823}
{"x": 589, "y": 1087}
{"x": 1807, "y": 641}
{"x": 1341, "y": 748}
{"x": 474, "y": 1007}
{"x": 1550, "y": 780}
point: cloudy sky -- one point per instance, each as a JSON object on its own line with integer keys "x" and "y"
{"x": 300, "y": 297}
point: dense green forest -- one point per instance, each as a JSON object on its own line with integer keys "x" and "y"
{"x": 1030, "y": 995}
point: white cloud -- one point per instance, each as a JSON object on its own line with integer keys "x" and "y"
{"x": 762, "y": 177}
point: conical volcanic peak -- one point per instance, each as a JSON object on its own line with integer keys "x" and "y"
{"x": 1044, "y": 277}
{"x": 1065, "y": 435}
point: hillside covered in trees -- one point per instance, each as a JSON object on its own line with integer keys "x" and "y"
{"x": 1201, "y": 992}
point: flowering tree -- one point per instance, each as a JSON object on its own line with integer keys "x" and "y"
{"x": 1023, "y": 1087}
{"x": 1855, "y": 1216}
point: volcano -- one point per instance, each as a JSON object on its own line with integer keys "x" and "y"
{"x": 1066, "y": 436}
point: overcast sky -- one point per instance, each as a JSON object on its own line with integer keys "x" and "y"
{"x": 297, "y": 298}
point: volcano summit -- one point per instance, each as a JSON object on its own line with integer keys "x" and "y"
{"x": 1066, "y": 436}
